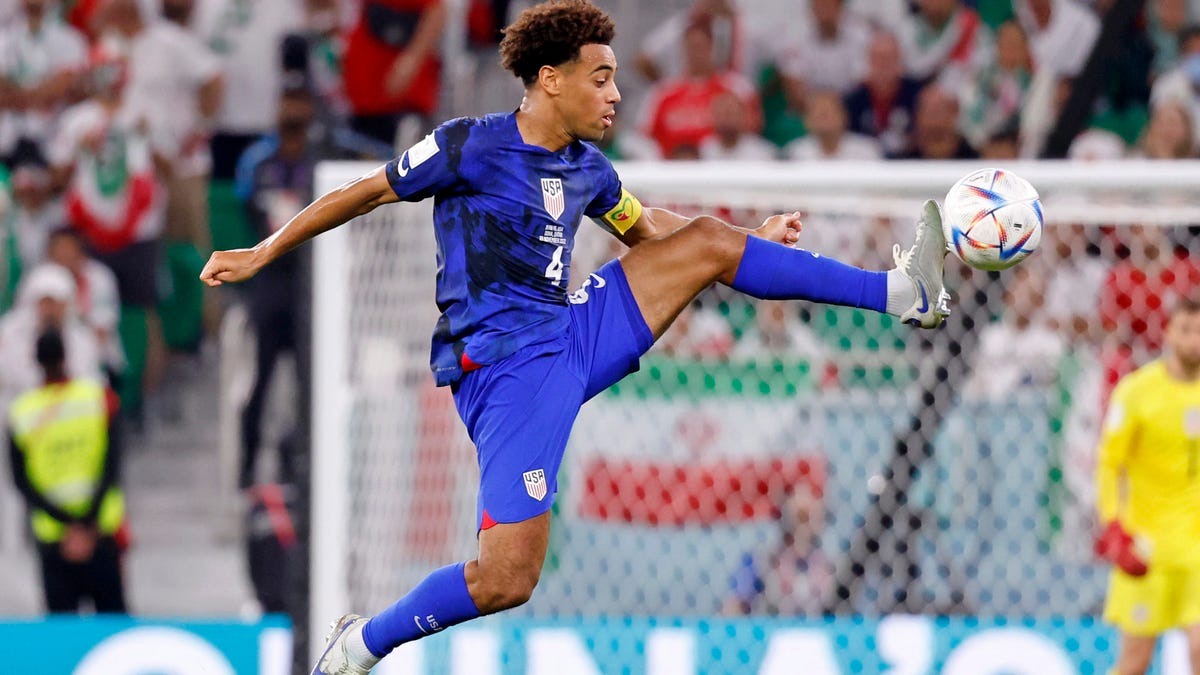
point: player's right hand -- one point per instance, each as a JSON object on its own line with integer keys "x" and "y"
{"x": 1117, "y": 547}
{"x": 783, "y": 228}
{"x": 230, "y": 266}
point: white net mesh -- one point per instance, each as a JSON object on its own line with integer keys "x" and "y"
{"x": 786, "y": 458}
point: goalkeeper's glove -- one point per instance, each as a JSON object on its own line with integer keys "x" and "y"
{"x": 1117, "y": 547}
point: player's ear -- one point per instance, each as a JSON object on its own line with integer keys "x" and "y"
{"x": 550, "y": 79}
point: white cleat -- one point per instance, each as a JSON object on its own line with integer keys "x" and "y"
{"x": 335, "y": 660}
{"x": 923, "y": 264}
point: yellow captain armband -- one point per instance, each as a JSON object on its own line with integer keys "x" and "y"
{"x": 622, "y": 216}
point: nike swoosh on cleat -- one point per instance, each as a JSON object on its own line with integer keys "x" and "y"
{"x": 924, "y": 299}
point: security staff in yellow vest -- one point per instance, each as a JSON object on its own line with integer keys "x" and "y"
{"x": 65, "y": 465}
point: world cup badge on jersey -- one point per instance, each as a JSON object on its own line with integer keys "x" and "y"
{"x": 552, "y": 197}
{"x": 535, "y": 484}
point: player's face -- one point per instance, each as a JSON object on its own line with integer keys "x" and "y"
{"x": 589, "y": 93}
{"x": 1183, "y": 338}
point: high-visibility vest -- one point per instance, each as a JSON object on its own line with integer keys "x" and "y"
{"x": 62, "y": 429}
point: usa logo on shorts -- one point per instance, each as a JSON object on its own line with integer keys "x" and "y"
{"x": 535, "y": 484}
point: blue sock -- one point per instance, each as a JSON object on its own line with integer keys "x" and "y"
{"x": 773, "y": 271}
{"x": 441, "y": 600}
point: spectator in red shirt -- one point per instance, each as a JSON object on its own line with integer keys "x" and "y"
{"x": 392, "y": 69}
{"x": 678, "y": 113}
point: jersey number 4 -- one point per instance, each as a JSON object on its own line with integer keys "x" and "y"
{"x": 555, "y": 269}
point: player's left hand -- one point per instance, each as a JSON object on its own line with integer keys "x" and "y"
{"x": 783, "y": 228}
{"x": 230, "y": 266}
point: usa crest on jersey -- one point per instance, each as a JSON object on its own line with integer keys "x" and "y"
{"x": 535, "y": 484}
{"x": 552, "y": 196}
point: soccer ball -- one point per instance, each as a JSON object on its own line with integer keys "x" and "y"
{"x": 992, "y": 219}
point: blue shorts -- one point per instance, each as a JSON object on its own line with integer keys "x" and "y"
{"x": 519, "y": 411}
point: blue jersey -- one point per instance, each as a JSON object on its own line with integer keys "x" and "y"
{"x": 505, "y": 216}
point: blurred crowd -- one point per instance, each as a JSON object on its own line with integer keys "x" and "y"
{"x": 135, "y": 136}
{"x": 920, "y": 79}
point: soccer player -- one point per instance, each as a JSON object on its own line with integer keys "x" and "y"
{"x": 520, "y": 354}
{"x": 1148, "y": 496}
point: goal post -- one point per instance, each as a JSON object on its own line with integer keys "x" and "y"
{"x": 945, "y": 483}
{"x": 330, "y": 513}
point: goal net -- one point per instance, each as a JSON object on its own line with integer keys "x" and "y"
{"x": 771, "y": 459}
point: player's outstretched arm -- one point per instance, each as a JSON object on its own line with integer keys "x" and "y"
{"x": 355, "y": 198}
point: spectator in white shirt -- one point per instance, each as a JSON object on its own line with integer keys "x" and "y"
{"x": 1061, "y": 34}
{"x": 948, "y": 41}
{"x": 35, "y": 211}
{"x": 113, "y": 195}
{"x": 248, "y": 38}
{"x": 45, "y": 299}
{"x": 175, "y": 86}
{"x": 992, "y": 100}
{"x": 829, "y": 50}
{"x": 40, "y": 59}
{"x": 9, "y": 10}
{"x": 96, "y": 301}
{"x": 825, "y": 118}
{"x": 730, "y": 138}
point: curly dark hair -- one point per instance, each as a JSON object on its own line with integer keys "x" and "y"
{"x": 550, "y": 34}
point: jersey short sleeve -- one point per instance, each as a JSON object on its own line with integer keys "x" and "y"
{"x": 430, "y": 165}
{"x": 613, "y": 206}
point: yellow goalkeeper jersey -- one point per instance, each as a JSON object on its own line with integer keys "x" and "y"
{"x": 1148, "y": 471}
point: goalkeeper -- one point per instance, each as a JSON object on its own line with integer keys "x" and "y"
{"x": 1148, "y": 497}
{"x": 519, "y": 352}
